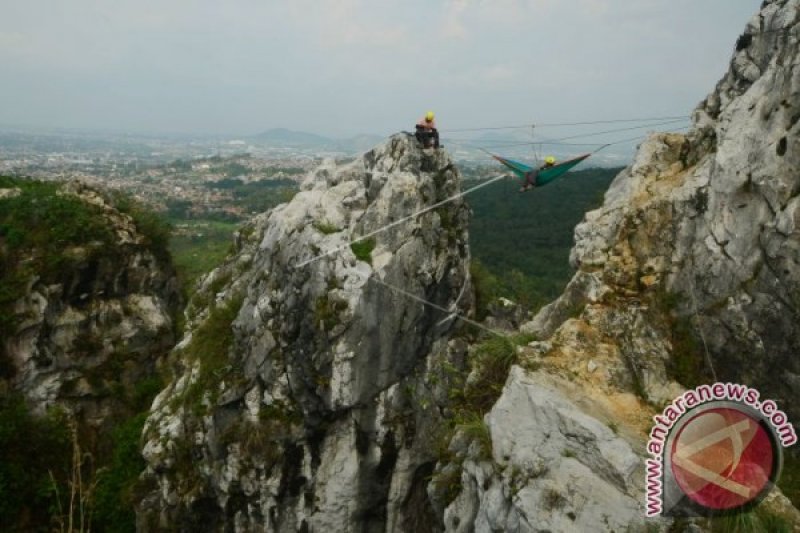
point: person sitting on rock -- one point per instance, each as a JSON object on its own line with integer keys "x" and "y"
{"x": 530, "y": 177}
{"x": 427, "y": 134}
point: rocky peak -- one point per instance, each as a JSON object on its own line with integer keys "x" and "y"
{"x": 289, "y": 409}
{"x": 761, "y": 46}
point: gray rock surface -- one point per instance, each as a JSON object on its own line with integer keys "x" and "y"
{"x": 553, "y": 468}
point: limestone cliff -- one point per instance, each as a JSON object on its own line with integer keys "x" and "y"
{"x": 303, "y": 397}
{"x": 691, "y": 266}
{"x": 87, "y": 301}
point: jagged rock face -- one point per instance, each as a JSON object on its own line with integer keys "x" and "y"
{"x": 87, "y": 341}
{"x": 319, "y": 415}
{"x": 747, "y": 254}
{"x": 705, "y": 228}
{"x": 553, "y": 468}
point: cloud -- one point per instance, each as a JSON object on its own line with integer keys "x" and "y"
{"x": 498, "y": 76}
{"x": 310, "y": 63}
{"x": 452, "y": 19}
{"x": 596, "y": 7}
{"x": 9, "y": 40}
{"x": 348, "y": 23}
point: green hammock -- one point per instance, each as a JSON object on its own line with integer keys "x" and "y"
{"x": 547, "y": 174}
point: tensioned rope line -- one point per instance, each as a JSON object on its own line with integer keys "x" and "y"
{"x": 699, "y": 328}
{"x": 557, "y": 141}
{"x": 400, "y": 221}
{"x": 619, "y": 129}
{"x": 500, "y": 142}
{"x": 590, "y": 123}
{"x": 629, "y": 139}
{"x": 435, "y": 306}
{"x": 702, "y": 336}
{"x": 558, "y": 124}
{"x": 600, "y": 147}
{"x": 636, "y": 138}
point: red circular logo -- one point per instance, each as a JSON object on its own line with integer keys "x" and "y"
{"x": 723, "y": 458}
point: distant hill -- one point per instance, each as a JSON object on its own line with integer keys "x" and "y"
{"x": 286, "y": 137}
{"x": 360, "y": 143}
{"x": 283, "y": 137}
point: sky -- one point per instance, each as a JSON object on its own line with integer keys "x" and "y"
{"x": 345, "y": 67}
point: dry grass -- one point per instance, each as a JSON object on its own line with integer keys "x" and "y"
{"x": 77, "y": 516}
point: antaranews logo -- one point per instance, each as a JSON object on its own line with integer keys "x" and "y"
{"x": 715, "y": 449}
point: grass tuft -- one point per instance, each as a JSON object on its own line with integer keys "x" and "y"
{"x": 325, "y": 227}
{"x": 209, "y": 346}
{"x": 363, "y": 250}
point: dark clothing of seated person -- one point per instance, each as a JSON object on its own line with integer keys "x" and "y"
{"x": 426, "y": 133}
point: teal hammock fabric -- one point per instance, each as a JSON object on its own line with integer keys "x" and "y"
{"x": 546, "y": 175}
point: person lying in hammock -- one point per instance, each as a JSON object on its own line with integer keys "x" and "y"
{"x": 530, "y": 177}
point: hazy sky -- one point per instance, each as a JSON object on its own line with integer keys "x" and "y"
{"x": 349, "y": 66}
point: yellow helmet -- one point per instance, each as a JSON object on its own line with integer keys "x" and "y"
{"x": 429, "y": 116}
{"x": 550, "y": 160}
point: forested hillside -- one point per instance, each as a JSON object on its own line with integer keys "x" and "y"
{"x": 520, "y": 242}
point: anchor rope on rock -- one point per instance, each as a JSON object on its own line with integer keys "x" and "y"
{"x": 436, "y": 306}
{"x": 700, "y": 330}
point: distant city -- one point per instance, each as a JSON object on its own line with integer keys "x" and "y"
{"x": 202, "y": 176}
